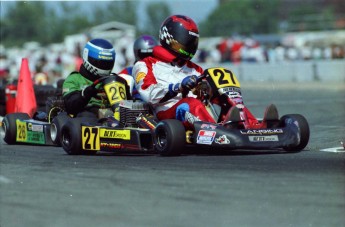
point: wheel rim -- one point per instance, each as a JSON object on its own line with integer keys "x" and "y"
{"x": 66, "y": 138}
{"x": 4, "y": 126}
{"x": 162, "y": 140}
{"x": 53, "y": 132}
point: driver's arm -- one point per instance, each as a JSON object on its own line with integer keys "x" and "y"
{"x": 74, "y": 102}
{"x": 75, "y": 96}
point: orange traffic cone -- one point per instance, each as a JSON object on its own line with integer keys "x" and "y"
{"x": 26, "y": 99}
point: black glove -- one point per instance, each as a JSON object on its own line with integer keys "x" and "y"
{"x": 89, "y": 91}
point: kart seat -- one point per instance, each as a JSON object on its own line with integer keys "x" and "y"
{"x": 271, "y": 113}
{"x": 233, "y": 115}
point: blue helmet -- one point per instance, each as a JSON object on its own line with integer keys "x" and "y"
{"x": 99, "y": 57}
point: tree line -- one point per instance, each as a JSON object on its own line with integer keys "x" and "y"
{"x": 37, "y": 21}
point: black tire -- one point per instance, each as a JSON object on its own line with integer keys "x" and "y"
{"x": 170, "y": 137}
{"x": 56, "y": 126}
{"x": 71, "y": 137}
{"x": 303, "y": 131}
{"x": 9, "y": 126}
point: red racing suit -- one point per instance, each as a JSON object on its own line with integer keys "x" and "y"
{"x": 154, "y": 74}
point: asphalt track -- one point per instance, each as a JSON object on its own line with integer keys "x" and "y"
{"x": 42, "y": 186}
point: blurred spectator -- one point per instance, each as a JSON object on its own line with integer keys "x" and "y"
{"x": 317, "y": 53}
{"x": 327, "y": 53}
{"x": 338, "y": 52}
{"x": 279, "y": 53}
{"x": 292, "y": 53}
{"x": 202, "y": 55}
{"x": 306, "y": 52}
{"x": 214, "y": 55}
{"x": 235, "y": 50}
{"x": 57, "y": 61}
{"x": 4, "y": 67}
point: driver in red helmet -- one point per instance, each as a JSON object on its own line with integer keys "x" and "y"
{"x": 163, "y": 78}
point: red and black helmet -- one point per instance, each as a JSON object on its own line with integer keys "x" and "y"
{"x": 180, "y": 35}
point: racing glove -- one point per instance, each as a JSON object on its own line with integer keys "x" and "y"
{"x": 89, "y": 91}
{"x": 187, "y": 84}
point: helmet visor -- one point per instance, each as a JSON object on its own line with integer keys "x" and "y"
{"x": 101, "y": 64}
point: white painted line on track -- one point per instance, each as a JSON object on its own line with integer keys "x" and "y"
{"x": 4, "y": 180}
{"x": 334, "y": 149}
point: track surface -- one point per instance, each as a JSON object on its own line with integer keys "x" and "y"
{"x": 42, "y": 186}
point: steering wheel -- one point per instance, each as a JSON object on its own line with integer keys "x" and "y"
{"x": 197, "y": 89}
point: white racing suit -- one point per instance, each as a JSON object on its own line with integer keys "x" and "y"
{"x": 152, "y": 78}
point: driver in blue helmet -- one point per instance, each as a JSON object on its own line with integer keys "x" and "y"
{"x": 81, "y": 96}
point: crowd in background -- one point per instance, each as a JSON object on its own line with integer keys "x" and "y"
{"x": 234, "y": 50}
{"x": 50, "y": 64}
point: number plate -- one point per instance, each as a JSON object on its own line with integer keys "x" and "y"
{"x": 21, "y": 131}
{"x": 90, "y": 138}
{"x": 115, "y": 91}
{"x": 223, "y": 78}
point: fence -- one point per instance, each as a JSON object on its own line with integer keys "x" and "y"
{"x": 306, "y": 71}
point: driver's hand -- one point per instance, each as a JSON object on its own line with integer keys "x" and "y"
{"x": 89, "y": 91}
{"x": 189, "y": 83}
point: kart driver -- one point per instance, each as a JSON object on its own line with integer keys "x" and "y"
{"x": 142, "y": 47}
{"x": 81, "y": 97}
{"x": 161, "y": 79}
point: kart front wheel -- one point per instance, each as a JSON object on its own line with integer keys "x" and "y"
{"x": 170, "y": 137}
{"x": 9, "y": 126}
{"x": 71, "y": 140}
{"x": 56, "y": 126}
{"x": 303, "y": 132}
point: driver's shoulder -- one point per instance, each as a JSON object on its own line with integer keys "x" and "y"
{"x": 195, "y": 66}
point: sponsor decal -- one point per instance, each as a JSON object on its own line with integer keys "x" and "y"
{"x": 222, "y": 140}
{"x": 116, "y": 134}
{"x": 145, "y": 121}
{"x": 262, "y": 131}
{"x": 205, "y": 137}
{"x": 111, "y": 145}
{"x": 234, "y": 94}
{"x": 37, "y": 128}
{"x": 35, "y": 137}
{"x": 140, "y": 76}
{"x": 190, "y": 117}
{"x": 240, "y": 106}
{"x": 208, "y": 126}
{"x": 229, "y": 89}
{"x": 263, "y": 138}
{"x": 105, "y": 57}
{"x": 193, "y": 33}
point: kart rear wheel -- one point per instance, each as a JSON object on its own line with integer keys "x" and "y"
{"x": 170, "y": 137}
{"x": 9, "y": 126}
{"x": 303, "y": 131}
{"x": 56, "y": 126}
{"x": 71, "y": 137}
